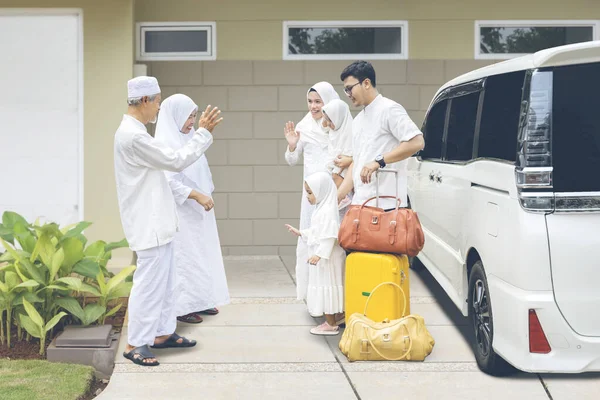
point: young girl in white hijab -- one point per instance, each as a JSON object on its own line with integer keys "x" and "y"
{"x": 326, "y": 259}
{"x": 337, "y": 117}
{"x": 309, "y": 138}
{"x": 201, "y": 281}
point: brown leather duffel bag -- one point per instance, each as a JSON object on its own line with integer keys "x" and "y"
{"x": 371, "y": 229}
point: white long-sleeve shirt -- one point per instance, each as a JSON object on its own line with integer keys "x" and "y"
{"x": 379, "y": 128}
{"x": 146, "y": 203}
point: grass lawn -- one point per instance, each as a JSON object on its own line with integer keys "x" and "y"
{"x": 37, "y": 379}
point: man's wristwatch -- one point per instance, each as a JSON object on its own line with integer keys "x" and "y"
{"x": 380, "y": 161}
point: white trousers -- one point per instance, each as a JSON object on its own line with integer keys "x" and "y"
{"x": 151, "y": 311}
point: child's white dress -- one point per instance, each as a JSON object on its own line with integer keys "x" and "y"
{"x": 325, "y": 294}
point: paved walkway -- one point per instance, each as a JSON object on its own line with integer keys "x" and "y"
{"x": 259, "y": 347}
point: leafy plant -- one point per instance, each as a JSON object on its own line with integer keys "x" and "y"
{"x": 115, "y": 288}
{"x": 52, "y": 268}
{"x": 34, "y": 324}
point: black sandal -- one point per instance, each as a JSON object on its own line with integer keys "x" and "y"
{"x": 210, "y": 311}
{"x": 144, "y": 354}
{"x": 172, "y": 341}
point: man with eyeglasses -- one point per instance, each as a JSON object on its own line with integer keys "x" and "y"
{"x": 382, "y": 135}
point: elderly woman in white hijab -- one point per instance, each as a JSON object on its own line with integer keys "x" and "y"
{"x": 309, "y": 138}
{"x": 201, "y": 281}
{"x": 325, "y": 293}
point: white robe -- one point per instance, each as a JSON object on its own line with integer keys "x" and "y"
{"x": 313, "y": 145}
{"x": 201, "y": 281}
{"x": 325, "y": 292}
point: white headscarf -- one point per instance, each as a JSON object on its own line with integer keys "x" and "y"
{"x": 311, "y": 130}
{"x": 174, "y": 112}
{"x": 325, "y": 220}
{"x": 341, "y": 137}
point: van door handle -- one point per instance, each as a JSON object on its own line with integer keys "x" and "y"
{"x": 438, "y": 177}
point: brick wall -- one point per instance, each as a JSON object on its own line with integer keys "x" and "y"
{"x": 256, "y": 191}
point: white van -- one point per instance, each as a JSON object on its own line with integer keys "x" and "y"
{"x": 508, "y": 192}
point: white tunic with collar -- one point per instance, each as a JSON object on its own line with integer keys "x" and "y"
{"x": 379, "y": 128}
{"x": 148, "y": 210}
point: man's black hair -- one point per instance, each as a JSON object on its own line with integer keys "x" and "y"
{"x": 361, "y": 70}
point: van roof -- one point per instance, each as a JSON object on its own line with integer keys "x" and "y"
{"x": 580, "y": 53}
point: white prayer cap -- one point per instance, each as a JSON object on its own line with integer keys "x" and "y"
{"x": 142, "y": 86}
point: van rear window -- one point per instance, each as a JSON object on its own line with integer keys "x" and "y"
{"x": 576, "y": 128}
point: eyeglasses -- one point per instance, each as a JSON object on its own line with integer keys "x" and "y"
{"x": 348, "y": 89}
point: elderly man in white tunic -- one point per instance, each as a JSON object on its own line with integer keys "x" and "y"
{"x": 149, "y": 217}
{"x": 382, "y": 135}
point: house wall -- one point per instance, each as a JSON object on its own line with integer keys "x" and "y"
{"x": 256, "y": 191}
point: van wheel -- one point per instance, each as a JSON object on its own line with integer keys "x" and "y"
{"x": 482, "y": 323}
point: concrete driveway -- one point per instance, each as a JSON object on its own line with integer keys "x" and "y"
{"x": 259, "y": 347}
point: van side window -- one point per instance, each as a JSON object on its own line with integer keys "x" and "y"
{"x": 500, "y": 116}
{"x": 433, "y": 129}
{"x": 461, "y": 127}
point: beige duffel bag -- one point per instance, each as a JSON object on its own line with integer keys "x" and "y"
{"x": 406, "y": 338}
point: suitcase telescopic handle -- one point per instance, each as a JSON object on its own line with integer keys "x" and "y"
{"x": 377, "y": 185}
{"x": 380, "y": 285}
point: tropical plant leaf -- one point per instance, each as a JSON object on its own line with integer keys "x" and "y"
{"x": 33, "y": 314}
{"x": 95, "y": 249}
{"x": 30, "y": 326}
{"x": 11, "y": 250}
{"x": 72, "y": 306}
{"x": 29, "y": 296}
{"x": 11, "y": 279}
{"x": 72, "y": 282}
{"x": 57, "y": 260}
{"x": 93, "y": 312}
{"x": 90, "y": 289}
{"x": 73, "y": 249}
{"x": 24, "y": 237}
{"x": 119, "y": 278}
{"x": 55, "y": 320}
{"x": 100, "y": 280}
{"x": 3, "y": 289}
{"x": 77, "y": 230}
{"x": 114, "y": 310}
{"x": 10, "y": 218}
{"x": 28, "y": 284}
{"x": 6, "y": 234}
{"x": 122, "y": 290}
{"x": 116, "y": 245}
{"x": 35, "y": 271}
{"x": 87, "y": 267}
{"x": 46, "y": 250}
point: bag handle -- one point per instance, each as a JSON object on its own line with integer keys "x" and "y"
{"x": 380, "y": 285}
{"x": 410, "y": 341}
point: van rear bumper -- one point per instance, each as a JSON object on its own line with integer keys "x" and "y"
{"x": 571, "y": 353}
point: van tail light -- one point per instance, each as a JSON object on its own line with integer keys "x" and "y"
{"x": 534, "y": 146}
{"x": 537, "y": 338}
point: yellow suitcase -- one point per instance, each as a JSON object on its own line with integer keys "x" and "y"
{"x": 364, "y": 271}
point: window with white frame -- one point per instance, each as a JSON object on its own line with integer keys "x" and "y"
{"x": 507, "y": 39}
{"x": 343, "y": 40}
{"x": 176, "y": 41}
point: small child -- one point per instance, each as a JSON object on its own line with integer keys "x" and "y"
{"x": 327, "y": 259}
{"x": 337, "y": 117}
